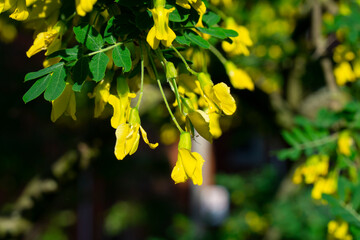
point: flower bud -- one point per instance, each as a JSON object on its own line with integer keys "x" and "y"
{"x": 205, "y": 80}
{"x": 134, "y": 117}
{"x": 171, "y": 72}
{"x": 185, "y": 141}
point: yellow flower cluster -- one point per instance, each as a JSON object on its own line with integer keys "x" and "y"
{"x": 347, "y": 68}
{"x": 199, "y": 101}
{"x": 238, "y": 77}
{"x": 240, "y": 43}
{"x": 315, "y": 166}
{"x": 344, "y": 143}
{"x": 315, "y": 171}
{"x": 339, "y": 230}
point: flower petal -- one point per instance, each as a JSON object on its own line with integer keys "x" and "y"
{"x": 146, "y": 140}
{"x": 224, "y": 99}
{"x": 151, "y": 39}
{"x": 121, "y": 133}
{"x": 178, "y": 173}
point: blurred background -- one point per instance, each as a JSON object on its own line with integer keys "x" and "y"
{"x": 62, "y": 181}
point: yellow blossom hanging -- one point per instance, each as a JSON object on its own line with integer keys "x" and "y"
{"x": 161, "y": 30}
{"x": 189, "y": 164}
{"x": 128, "y": 136}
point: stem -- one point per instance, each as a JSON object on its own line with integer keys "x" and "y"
{"x": 142, "y": 78}
{"x": 163, "y": 94}
{"x": 70, "y": 17}
{"x": 218, "y": 54}
{"x": 171, "y": 81}
{"x": 103, "y": 49}
{"x": 184, "y": 61}
{"x": 320, "y": 45}
{"x": 317, "y": 142}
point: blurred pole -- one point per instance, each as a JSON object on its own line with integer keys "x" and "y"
{"x": 209, "y": 203}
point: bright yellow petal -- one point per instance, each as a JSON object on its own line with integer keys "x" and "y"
{"x": 151, "y": 39}
{"x": 183, "y": 3}
{"x": 146, "y": 140}
{"x": 121, "y": 133}
{"x": 197, "y": 175}
{"x": 215, "y": 129}
{"x": 192, "y": 164}
{"x": 238, "y": 77}
{"x": 178, "y": 173}
{"x": 21, "y": 13}
{"x": 134, "y": 144}
{"x": 132, "y": 139}
{"x": 6, "y": 5}
{"x": 118, "y": 115}
{"x": 224, "y": 99}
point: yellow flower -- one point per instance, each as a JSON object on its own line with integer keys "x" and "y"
{"x": 128, "y": 136}
{"x": 344, "y": 143}
{"x": 44, "y": 40}
{"x": 20, "y": 13}
{"x": 315, "y": 166}
{"x": 84, "y": 6}
{"x": 324, "y": 185}
{"x": 339, "y": 230}
{"x": 198, "y": 5}
{"x": 238, "y": 77}
{"x": 6, "y": 5}
{"x": 240, "y": 43}
{"x": 218, "y": 96}
{"x": 189, "y": 164}
{"x": 64, "y": 104}
{"x": 101, "y": 94}
{"x": 120, "y": 103}
{"x": 161, "y": 30}
{"x": 43, "y": 9}
{"x": 297, "y": 177}
{"x": 215, "y": 129}
{"x": 344, "y": 73}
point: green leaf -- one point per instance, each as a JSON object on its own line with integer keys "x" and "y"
{"x": 291, "y": 153}
{"x": 215, "y": 32}
{"x": 56, "y": 85}
{"x": 289, "y": 138}
{"x": 340, "y": 209}
{"x": 182, "y": 40}
{"x": 80, "y": 71}
{"x": 109, "y": 32}
{"x": 69, "y": 54}
{"x": 230, "y": 33}
{"x": 88, "y": 36}
{"x": 98, "y": 66}
{"x": 356, "y": 197}
{"x": 196, "y": 39}
{"x": 122, "y": 57}
{"x": 42, "y": 72}
{"x": 299, "y": 134}
{"x": 37, "y": 88}
{"x": 211, "y": 18}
